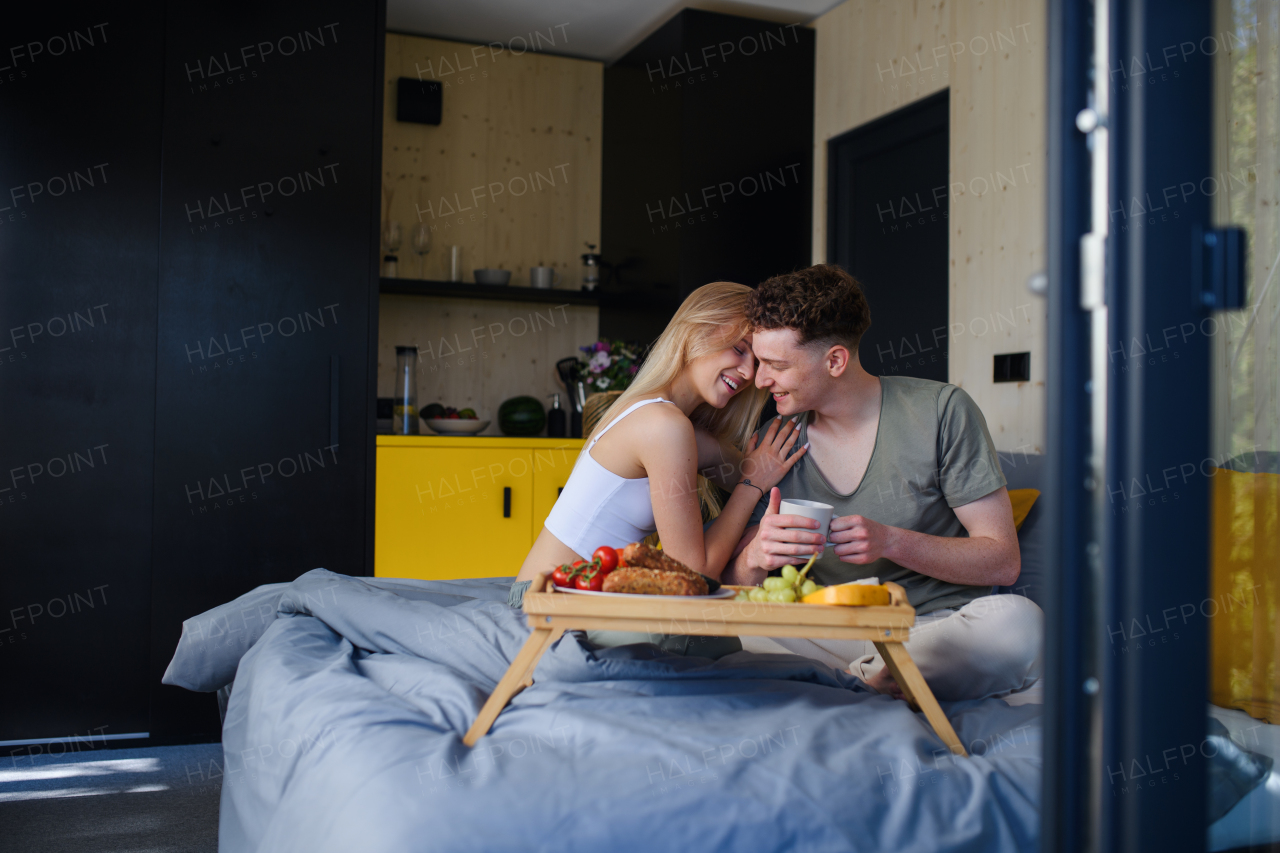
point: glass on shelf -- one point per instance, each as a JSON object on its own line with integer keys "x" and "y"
{"x": 422, "y": 245}
{"x": 391, "y": 236}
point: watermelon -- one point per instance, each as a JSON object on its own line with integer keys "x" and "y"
{"x": 521, "y": 416}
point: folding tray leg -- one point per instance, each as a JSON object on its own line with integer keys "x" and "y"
{"x": 518, "y": 676}
{"x": 527, "y": 681}
{"x": 907, "y": 674}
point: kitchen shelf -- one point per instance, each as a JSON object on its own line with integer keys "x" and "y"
{"x": 507, "y": 293}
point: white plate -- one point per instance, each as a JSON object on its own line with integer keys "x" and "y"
{"x": 722, "y": 592}
{"x": 456, "y": 426}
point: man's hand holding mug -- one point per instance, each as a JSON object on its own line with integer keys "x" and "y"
{"x": 859, "y": 540}
{"x": 782, "y": 538}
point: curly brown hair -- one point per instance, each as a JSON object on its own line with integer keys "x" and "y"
{"x": 822, "y": 303}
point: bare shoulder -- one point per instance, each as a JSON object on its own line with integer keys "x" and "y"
{"x": 655, "y": 436}
{"x": 662, "y": 421}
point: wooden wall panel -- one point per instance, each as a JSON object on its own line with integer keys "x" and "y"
{"x": 511, "y": 174}
{"x": 478, "y": 353}
{"x": 529, "y": 127}
{"x": 874, "y": 56}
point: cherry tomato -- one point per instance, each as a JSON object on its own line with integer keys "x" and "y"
{"x": 593, "y": 581}
{"x": 561, "y": 577}
{"x": 607, "y": 558}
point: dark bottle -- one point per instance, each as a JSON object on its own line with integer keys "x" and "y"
{"x": 556, "y": 422}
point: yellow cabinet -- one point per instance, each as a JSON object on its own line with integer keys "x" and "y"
{"x": 463, "y": 507}
{"x": 551, "y": 468}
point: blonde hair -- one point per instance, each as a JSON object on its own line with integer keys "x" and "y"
{"x": 710, "y": 319}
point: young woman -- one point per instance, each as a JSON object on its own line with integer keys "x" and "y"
{"x": 692, "y": 407}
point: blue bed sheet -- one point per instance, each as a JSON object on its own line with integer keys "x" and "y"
{"x": 344, "y": 732}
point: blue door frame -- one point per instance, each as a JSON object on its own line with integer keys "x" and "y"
{"x": 1127, "y": 681}
{"x": 1065, "y": 813}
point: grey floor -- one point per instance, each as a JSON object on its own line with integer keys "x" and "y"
{"x": 157, "y": 800}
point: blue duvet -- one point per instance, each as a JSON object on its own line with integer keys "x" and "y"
{"x": 351, "y": 696}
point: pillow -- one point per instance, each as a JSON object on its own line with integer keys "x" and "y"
{"x": 212, "y": 643}
{"x": 1022, "y": 500}
{"x": 1233, "y": 770}
{"x": 1026, "y": 472}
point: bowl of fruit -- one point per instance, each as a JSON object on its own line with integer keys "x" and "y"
{"x": 446, "y": 420}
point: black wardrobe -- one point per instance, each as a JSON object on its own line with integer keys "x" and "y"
{"x": 707, "y": 171}
{"x": 188, "y": 288}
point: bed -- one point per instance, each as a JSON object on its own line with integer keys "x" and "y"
{"x": 344, "y": 732}
{"x": 350, "y": 696}
{"x": 346, "y": 699}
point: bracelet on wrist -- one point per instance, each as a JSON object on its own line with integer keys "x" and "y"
{"x": 747, "y": 482}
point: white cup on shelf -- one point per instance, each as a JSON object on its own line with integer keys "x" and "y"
{"x": 543, "y": 278}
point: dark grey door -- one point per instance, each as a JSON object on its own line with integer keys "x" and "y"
{"x": 887, "y": 225}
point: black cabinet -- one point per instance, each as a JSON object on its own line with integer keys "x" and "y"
{"x": 707, "y": 166}
{"x": 268, "y": 281}
{"x": 190, "y": 280}
{"x": 80, "y": 98}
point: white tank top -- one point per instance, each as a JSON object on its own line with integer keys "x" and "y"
{"x": 597, "y": 507}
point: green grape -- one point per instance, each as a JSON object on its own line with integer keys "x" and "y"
{"x": 808, "y": 587}
{"x": 742, "y": 595}
{"x": 782, "y": 596}
{"x": 758, "y": 595}
{"x": 790, "y": 573}
{"x": 775, "y": 583}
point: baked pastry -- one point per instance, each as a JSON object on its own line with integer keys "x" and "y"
{"x": 640, "y": 581}
{"x": 648, "y": 571}
{"x": 641, "y": 555}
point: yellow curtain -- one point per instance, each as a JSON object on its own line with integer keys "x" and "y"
{"x": 1245, "y": 190}
{"x": 1244, "y": 635}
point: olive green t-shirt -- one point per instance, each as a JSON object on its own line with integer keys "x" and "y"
{"x": 932, "y": 453}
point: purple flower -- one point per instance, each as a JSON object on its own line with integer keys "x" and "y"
{"x": 598, "y": 362}
{"x": 635, "y": 368}
{"x": 601, "y": 346}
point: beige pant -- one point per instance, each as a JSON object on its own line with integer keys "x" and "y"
{"x": 992, "y": 646}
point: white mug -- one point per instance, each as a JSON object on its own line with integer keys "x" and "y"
{"x": 543, "y": 278}
{"x": 819, "y": 512}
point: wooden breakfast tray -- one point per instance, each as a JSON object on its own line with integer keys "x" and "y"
{"x": 550, "y": 615}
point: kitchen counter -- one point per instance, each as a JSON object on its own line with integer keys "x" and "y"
{"x": 476, "y": 441}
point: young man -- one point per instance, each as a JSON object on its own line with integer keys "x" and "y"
{"x": 918, "y": 493}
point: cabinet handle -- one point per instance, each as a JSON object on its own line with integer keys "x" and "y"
{"x": 506, "y": 502}
{"x": 333, "y": 401}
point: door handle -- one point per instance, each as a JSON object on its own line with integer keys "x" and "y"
{"x": 333, "y": 401}
{"x": 506, "y": 502}
{"x": 1218, "y": 267}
